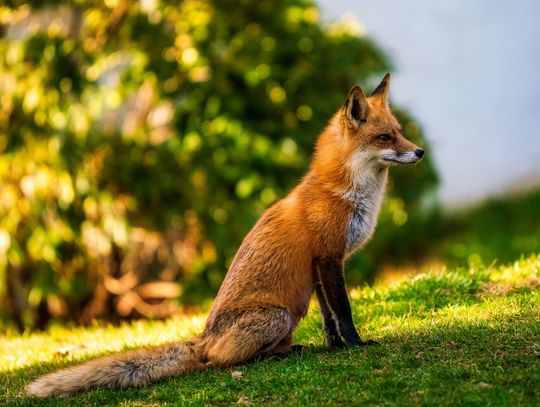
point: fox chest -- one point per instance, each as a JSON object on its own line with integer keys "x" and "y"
{"x": 362, "y": 218}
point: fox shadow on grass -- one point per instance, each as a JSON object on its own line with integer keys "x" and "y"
{"x": 473, "y": 348}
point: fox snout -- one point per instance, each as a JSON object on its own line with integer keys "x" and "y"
{"x": 392, "y": 157}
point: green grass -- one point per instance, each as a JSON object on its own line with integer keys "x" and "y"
{"x": 452, "y": 338}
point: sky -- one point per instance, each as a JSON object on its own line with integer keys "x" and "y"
{"x": 469, "y": 71}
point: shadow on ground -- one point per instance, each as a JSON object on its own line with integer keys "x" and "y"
{"x": 484, "y": 359}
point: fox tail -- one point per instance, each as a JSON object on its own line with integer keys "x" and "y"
{"x": 131, "y": 369}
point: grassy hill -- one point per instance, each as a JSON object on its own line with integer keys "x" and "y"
{"x": 457, "y": 338}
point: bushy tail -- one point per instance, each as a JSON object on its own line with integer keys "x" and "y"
{"x": 131, "y": 369}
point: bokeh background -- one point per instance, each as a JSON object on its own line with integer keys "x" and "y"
{"x": 140, "y": 141}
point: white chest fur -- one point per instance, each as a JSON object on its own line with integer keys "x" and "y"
{"x": 365, "y": 196}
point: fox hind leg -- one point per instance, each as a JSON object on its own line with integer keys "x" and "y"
{"x": 259, "y": 331}
{"x": 283, "y": 347}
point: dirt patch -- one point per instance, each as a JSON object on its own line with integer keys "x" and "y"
{"x": 494, "y": 288}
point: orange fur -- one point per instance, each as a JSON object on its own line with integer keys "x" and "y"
{"x": 271, "y": 279}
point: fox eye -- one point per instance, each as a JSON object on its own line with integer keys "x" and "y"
{"x": 385, "y": 137}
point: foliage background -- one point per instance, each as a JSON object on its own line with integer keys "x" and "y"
{"x": 141, "y": 140}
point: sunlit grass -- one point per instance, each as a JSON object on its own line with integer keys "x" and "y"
{"x": 459, "y": 337}
{"x": 62, "y": 343}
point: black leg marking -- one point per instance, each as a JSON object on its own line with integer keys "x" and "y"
{"x": 332, "y": 334}
{"x": 332, "y": 286}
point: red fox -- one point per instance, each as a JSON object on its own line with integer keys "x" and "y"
{"x": 297, "y": 247}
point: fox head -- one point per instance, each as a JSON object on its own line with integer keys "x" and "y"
{"x": 372, "y": 133}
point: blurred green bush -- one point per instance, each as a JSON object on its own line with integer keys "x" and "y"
{"x": 501, "y": 229}
{"x": 140, "y": 141}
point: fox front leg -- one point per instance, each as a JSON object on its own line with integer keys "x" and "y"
{"x": 331, "y": 284}
{"x": 330, "y": 325}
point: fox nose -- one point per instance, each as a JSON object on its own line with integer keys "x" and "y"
{"x": 419, "y": 152}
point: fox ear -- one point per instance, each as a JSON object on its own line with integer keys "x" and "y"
{"x": 381, "y": 92}
{"x": 356, "y": 106}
